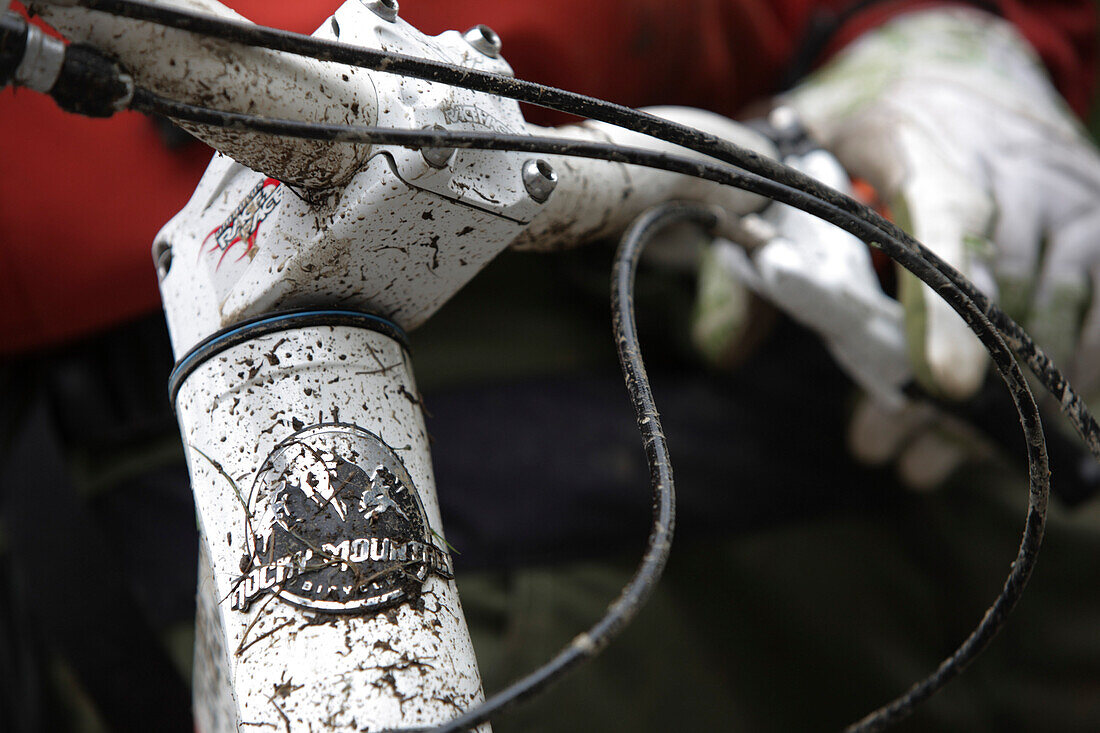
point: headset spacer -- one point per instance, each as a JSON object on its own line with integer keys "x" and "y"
{"x": 270, "y": 323}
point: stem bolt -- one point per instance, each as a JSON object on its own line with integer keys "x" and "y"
{"x": 162, "y": 256}
{"x": 539, "y": 179}
{"x": 484, "y": 39}
{"x": 384, "y": 9}
{"x": 437, "y": 157}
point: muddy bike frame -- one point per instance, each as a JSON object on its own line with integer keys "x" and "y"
{"x": 326, "y": 587}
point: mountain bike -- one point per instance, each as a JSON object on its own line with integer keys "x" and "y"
{"x": 363, "y": 176}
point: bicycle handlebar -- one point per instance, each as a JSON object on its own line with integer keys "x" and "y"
{"x": 181, "y": 65}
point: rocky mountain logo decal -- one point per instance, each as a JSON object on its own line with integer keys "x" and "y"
{"x": 336, "y": 525}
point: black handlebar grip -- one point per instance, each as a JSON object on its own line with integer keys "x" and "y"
{"x": 90, "y": 83}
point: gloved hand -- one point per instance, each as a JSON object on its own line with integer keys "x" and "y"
{"x": 822, "y": 277}
{"x": 949, "y": 115}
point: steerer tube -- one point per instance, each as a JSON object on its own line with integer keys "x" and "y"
{"x": 326, "y": 590}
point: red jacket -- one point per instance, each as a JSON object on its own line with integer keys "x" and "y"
{"x": 81, "y": 199}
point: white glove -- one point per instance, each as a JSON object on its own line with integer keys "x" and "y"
{"x": 823, "y": 278}
{"x": 949, "y": 115}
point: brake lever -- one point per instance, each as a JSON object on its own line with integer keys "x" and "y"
{"x": 823, "y": 277}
